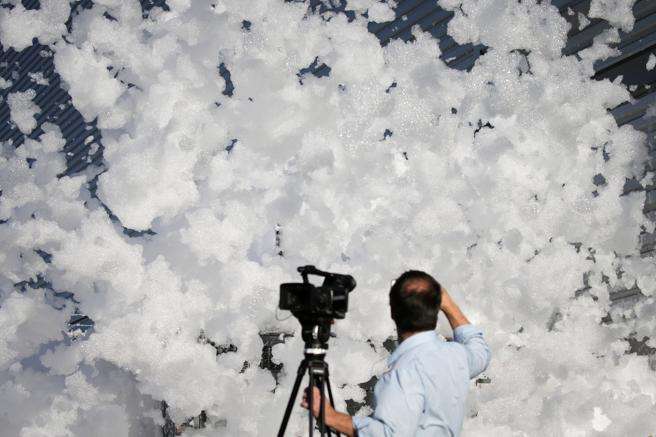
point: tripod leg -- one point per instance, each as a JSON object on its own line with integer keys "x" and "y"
{"x": 330, "y": 395}
{"x": 310, "y": 402}
{"x": 322, "y": 409}
{"x": 292, "y": 398}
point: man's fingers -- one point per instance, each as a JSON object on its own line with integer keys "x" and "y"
{"x": 316, "y": 399}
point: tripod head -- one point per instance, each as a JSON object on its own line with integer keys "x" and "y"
{"x": 315, "y": 334}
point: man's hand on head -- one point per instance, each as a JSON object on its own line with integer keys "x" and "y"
{"x": 446, "y": 301}
{"x": 451, "y": 310}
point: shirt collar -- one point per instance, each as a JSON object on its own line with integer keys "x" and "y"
{"x": 410, "y": 343}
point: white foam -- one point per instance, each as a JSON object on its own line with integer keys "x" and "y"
{"x": 651, "y": 62}
{"x": 380, "y": 12}
{"x": 484, "y": 178}
{"x": 23, "y": 109}
{"x": 19, "y": 26}
{"x": 90, "y": 96}
{"x": 619, "y": 13}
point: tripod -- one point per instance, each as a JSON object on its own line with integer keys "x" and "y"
{"x": 316, "y": 308}
{"x": 317, "y": 369}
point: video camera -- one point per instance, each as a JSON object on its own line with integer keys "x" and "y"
{"x": 316, "y": 307}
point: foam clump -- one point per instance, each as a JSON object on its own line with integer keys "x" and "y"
{"x": 23, "y": 109}
{"x": 27, "y": 322}
{"x": 90, "y": 97}
{"x": 228, "y": 162}
{"x": 651, "y": 62}
{"x": 380, "y": 12}
{"x": 19, "y": 26}
{"x": 619, "y": 13}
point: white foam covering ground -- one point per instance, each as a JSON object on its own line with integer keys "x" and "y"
{"x": 492, "y": 212}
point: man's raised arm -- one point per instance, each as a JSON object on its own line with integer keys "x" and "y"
{"x": 478, "y": 352}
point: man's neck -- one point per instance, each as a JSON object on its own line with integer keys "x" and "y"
{"x": 404, "y": 336}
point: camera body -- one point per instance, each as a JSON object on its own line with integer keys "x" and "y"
{"x": 316, "y": 307}
{"x": 330, "y": 300}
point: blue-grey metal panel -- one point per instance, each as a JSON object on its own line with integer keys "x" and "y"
{"x": 54, "y": 102}
{"x": 431, "y": 18}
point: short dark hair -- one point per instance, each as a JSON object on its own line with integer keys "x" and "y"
{"x": 415, "y": 299}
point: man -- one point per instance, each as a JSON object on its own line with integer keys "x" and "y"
{"x": 424, "y": 390}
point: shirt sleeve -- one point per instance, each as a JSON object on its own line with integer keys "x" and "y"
{"x": 399, "y": 405}
{"x": 477, "y": 350}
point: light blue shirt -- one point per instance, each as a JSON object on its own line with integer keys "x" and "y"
{"x": 424, "y": 391}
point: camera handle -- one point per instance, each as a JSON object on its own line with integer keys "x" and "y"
{"x": 317, "y": 369}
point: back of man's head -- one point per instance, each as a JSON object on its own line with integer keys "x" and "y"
{"x": 415, "y": 299}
